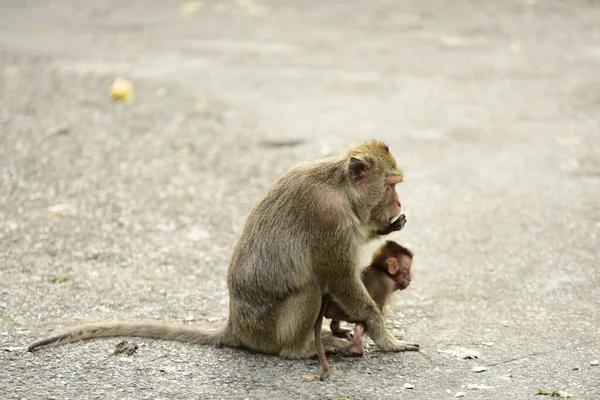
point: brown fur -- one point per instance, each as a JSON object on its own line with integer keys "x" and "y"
{"x": 301, "y": 239}
{"x": 390, "y": 270}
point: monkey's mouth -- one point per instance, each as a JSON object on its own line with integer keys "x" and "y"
{"x": 398, "y": 223}
{"x": 397, "y": 217}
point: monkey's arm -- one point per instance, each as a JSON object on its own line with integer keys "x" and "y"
{"x": 346, "y": 287}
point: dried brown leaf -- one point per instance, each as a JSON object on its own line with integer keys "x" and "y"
{"x": 60, "y": 279}
{"x": 474, "y": 386}
{"x": 125, "y": 347}
{"x": 12, "y": 349}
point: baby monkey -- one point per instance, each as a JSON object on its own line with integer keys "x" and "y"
{"x": 390, "y": 270}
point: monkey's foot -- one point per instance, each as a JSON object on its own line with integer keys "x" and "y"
{"x": 334, "y": 345}
{"x": 356, "y": 349}
{"x": 325, "y": 374}
{"x": 331, "y": 345}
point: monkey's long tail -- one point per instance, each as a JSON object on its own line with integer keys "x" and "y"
{"x": 145, "y": 329}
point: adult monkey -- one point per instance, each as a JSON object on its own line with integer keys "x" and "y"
{"x": 300, "y": 240}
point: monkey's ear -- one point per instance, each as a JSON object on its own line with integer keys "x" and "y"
{"x": 392, "y": 265}
{"x": 359, "y": 168}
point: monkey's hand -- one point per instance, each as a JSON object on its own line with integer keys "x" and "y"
{"x": 389, "y": 343}
{"x": 386, "y": 340}
{"x": 397, "y": 225}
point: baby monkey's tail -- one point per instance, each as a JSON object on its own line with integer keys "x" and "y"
{"x": 145, "y": 329}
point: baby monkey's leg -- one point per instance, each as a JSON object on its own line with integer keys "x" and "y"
{"x": 356, "y": 347}
{"x": 338, "y": 331}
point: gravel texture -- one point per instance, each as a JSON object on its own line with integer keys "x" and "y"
{"x": 491, "y": 107}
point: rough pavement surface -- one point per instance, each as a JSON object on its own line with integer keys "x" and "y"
{"x": 128, "y": 211}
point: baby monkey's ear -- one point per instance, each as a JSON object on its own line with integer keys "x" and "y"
{"x": 392, "y": 265}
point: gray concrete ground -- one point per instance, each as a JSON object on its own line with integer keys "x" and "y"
{"x": 491, "y": 107}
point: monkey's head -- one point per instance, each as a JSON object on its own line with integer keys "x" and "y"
{"x": 373, "y": 171}
{"x": 396, "y": 261}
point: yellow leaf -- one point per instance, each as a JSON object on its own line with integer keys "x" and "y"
{"x": 200, "y": 106}
{"x": 309, "y": 377}
{"x": 190, "y": 7}
{"x": 514, "y": 48}
{"x": 121, "y": 89}
{"x": 161, "y": 92}
{"x": 60, "y": 279}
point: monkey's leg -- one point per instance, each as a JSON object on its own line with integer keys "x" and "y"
{"x": 356, "y": 346}
{"x": 296, "y": 322}
{"x": 331, "y": 345}
{"x": 338, "y": 331}
{"x": 326, "y": 372}
{"x": 335, "y": 345}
